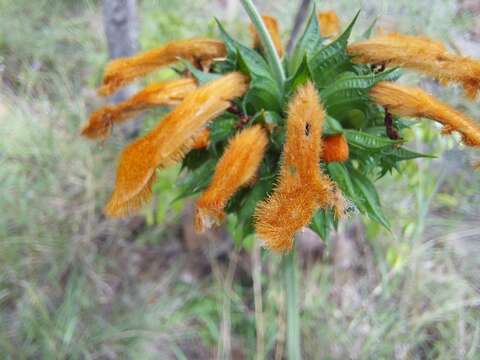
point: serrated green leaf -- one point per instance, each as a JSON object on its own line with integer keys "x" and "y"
{"x": 367, "y": 197}
{"x": 230, "y": 43}
{"x": 327, "y": 62}
{"x": 197, "y": 180}
{"x": 367, "y": 141}
{"x": 339, "y": 173}
{"x": 321, "y": 223}
{"x": 199, "y": 75}
{"x": 223, "y": 127}
{"x": 195, "y": 158}
{"x": 332, "y": 126}
{"x": 308, "y": 42}
{"x": 368, "y": 33}
{"x": 301, "y": 76}
{"x": 401, "y": 153}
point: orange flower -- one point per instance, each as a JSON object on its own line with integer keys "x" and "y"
{"x": 236, "y": 168}
{"x": 302, "y": 187}
{"x": 410, "y": 101}
{"x": 335, "y": 148}
{"x": 169, "y": 141}
{"x": 272, "y": 26}
{"x": 421, "y": 54}
{"x": 123, "y": 71}
{"x": 202, "y": 140}
{"x": 166, "y": 93}
{"x": 329, "y": 23}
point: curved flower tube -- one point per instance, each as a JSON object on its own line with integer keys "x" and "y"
{"x": 329, "y": 23}
{"x": 121, "y": 72}
{"x": 422, "y": 54}
{"x": 167, "y": 93}
{"x": 169, "y": 141}
{"x": 236, "y": 168}
{"x": 302, "y": 187}
{"x": 404, "y": 100}
{"x": 335, "y": 148}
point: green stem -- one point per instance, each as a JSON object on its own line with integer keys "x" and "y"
{"x": 293, "y": 313}
{"x": 267, "y": 42}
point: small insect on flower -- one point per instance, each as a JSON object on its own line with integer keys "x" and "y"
{"x": 329, "y": 23}
{"x": 169, "y": 141}
{"x": 302, "y": 187}
{"x": 236, "y": 168}
{"x": 167, "y": 93}
{"x": 273, "y": 29}
{"x": 335, "y": 148}
{"x": 414, "y": 102}
{"x": 121, "y": 72}
{"x": 422, "y": 54}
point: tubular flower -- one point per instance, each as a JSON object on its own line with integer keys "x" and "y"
{"x": 121, "y": 72}
{"x": 301, "y": 188}
{"x": 236, "y": 168}
{"x": 202, "y": 140}
{"x": 169, "y": 141}
{"x": 168, "y": 93}
{"x": 335, "y": 148}
{"x": 403, "y": 100}
{"x": 272, "y": 26}
{"x": 329, "y": 23}
{"x": 421, "y": 54}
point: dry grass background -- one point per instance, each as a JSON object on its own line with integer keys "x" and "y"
{"x": 75, "y": 285}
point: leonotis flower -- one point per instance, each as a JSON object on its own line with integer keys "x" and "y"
{"x": 413, "y": 102}
{"x": 167, "y": 93}
{"x": 302, "y": 187}
{"x": 168, "y": 142}
{"x": 261, "y": 147}
{"x": 422, "y": 54}
{"x": 329, "y": 23}
{"x": 123, "y": 71}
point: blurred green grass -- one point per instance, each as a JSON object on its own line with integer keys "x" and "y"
{"x": 74, "y": 285}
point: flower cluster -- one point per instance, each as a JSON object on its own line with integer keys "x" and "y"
{"x": 280, "y": 156}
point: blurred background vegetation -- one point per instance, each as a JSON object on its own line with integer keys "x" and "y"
{"x": 76, "y": 285}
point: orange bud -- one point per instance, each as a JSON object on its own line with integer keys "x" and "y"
{"x": 202, "y": 140}
{"x": 414, "y": 102}
{"x": 169, "y": 141}
{"x": 335, "y": 148}
{"x": 167, "y": 93}
{"x": 421, "y": 54}
{"x": 236, "y": 168}
{"x": 121, "y": 72}
{"x": 272, "y": 26}
{"x": 302, "y": 187}
{"x": 329, "y": 23}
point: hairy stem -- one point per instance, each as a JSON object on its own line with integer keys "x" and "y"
{"x": 265, "y": 38}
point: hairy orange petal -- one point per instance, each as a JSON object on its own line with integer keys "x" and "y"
{"x": 272, "y": 26}
{"x": 302, "y": 187}
{"x": 236, "y": 168}
{"x": 123, "y": 71}
{"x": 410, "y": 101}
{"x": 335, "y": 148}
{"x": 170, "y": 140}
{"x": 202, "y": 140}
{"x": 168, "y": 93}
{"x": 329, "y": 23}
{"x": 421, "y": 54}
